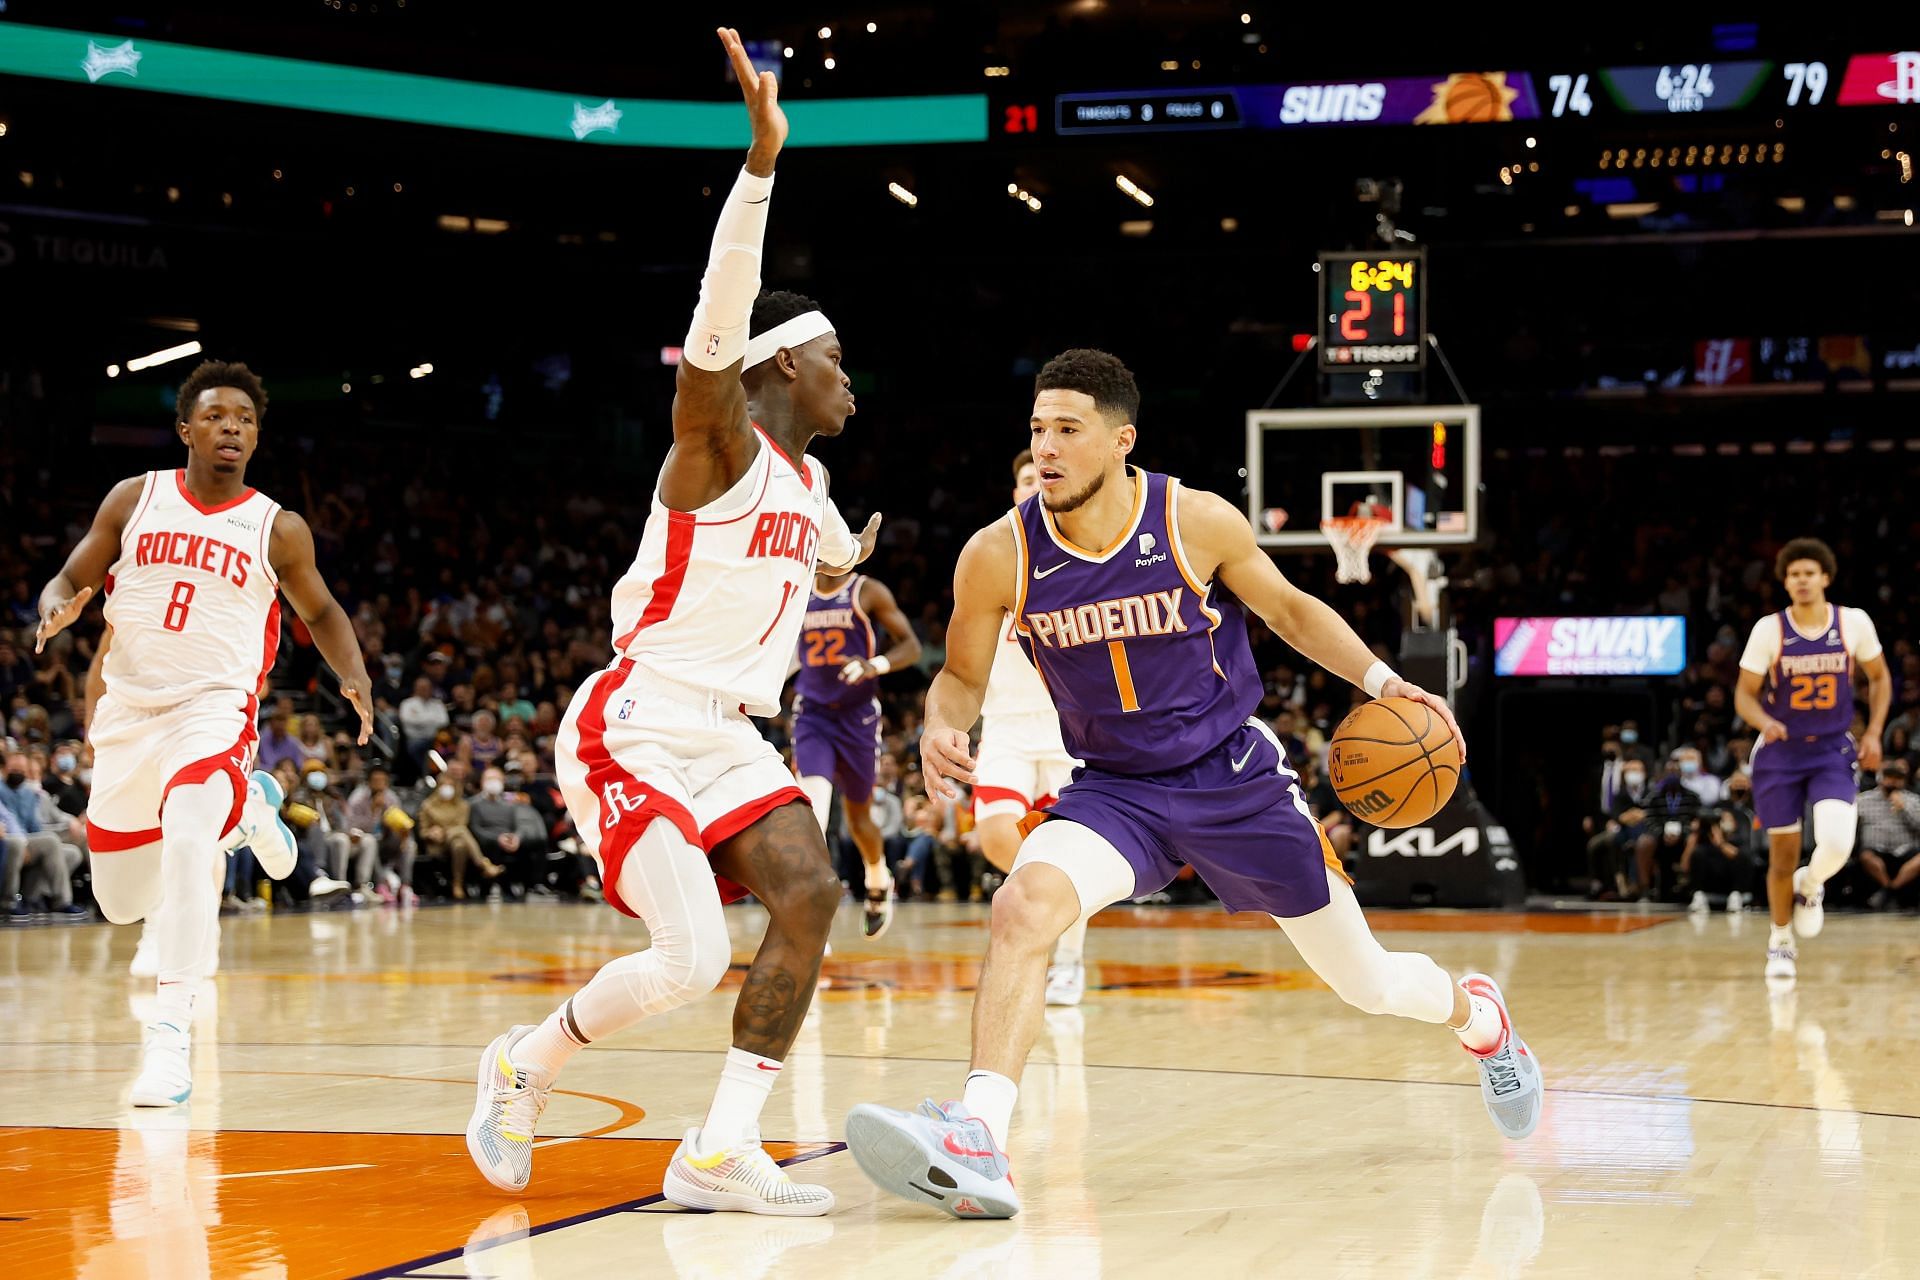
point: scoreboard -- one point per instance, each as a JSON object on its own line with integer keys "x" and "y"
{"x": 1375, "y": 310}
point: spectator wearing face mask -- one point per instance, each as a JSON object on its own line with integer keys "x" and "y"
{"x": 444, "y": 835}
{"x": 374, "y": 811}
{"x": 39, "y": 864}
{"x": 1672, "y": 809}
{"x": 62, "y": 781}
{"x": 1631, "y": 748}
{"x": 1727, "y": 851}
{"x": 1624, "y": 839}
{"x": 1890, "y": 837}
{"x": 510, "y": 833}
{"x": 1694, "y": 776}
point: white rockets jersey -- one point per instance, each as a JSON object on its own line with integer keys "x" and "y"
{"x": 1014, "y": 688}
{"x": 715, "y": 597}
{"x": 192, "y": 600}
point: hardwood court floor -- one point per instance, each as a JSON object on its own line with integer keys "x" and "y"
{"x": 1211, "y": 1111}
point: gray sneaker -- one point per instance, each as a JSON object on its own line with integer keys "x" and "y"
{"x": 1510, "y": 1080}
{"x": 942, "y": 1156}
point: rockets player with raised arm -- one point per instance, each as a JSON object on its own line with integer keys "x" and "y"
{"x": 193, "y": 561}
{"x": 666, "y": 777}
{"x": 836, "y": 714}
{"x": 1023, "y": 764}
{"x": 1110, "y": 573}
{"x": 1805, "y": 657}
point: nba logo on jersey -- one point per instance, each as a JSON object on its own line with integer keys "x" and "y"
{"x": 626, "y": 708}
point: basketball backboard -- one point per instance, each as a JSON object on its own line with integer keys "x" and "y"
{"x": 1420, "y": 463}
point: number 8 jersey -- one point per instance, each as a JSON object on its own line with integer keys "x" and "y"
{"x": 192, "y": 600}
{"x": 1809, "y": 678}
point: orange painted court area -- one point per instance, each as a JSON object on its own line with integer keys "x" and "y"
{"x": 155, "y": 1200}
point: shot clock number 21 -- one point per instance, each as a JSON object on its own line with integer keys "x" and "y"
{"x": 1375, "y": 309}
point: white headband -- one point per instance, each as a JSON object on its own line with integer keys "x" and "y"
{"x": 804, "y": 327}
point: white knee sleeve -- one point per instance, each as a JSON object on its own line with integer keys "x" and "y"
{"x": 1100, "y": 875}
{"x": 820, "y": 796}
{"x": 1337, "y": 945}
{"x": 1833, "y": 827}
{"x": 670, "y": 884}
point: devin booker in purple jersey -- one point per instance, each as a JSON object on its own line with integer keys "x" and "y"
{"x": 836, "y": 724}
{"x": 1156, "y": 687}
{"x": 1808, "y": 686}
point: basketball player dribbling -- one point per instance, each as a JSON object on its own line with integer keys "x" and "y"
{"x": 666, "y": 777}
{"x": 1805, "y": 656}
{"x": 1023, "y": 764}
{"x": 1109, "y": 573}
{"x": 193, "y": 561}
{"x": 836, "y": 715}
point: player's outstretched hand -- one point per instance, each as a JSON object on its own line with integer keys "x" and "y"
{"x": 1398, "y": 688}
{"x": 762, "y": 92}
{"x": 1870, "y": 753}
{"x": 61, "y": 616}
{"x": 869, "y": 538}
{"x": 943, "y": 758}
{"x": 359, "y": 691}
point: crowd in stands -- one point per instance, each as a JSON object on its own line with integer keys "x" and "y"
{"x": 479, "y": 595}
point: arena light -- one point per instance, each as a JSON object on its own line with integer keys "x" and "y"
{"x": 903, "y": 195}
{"x": 113, "y": 371}
{"x": 489, "y": 226}
{"x": 829, "y": 64}
{"x": 420, "y": 371}
{"x": 1133, "y": 189}
{"x": 872, "y": 27}
{"x": 164, "y": 356}
{"x": 825, "y": 33}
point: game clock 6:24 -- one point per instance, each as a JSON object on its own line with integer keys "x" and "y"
{"x": 1375, "y": 310}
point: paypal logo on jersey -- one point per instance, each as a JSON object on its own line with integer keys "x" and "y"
{"x": 1148, "y": 556}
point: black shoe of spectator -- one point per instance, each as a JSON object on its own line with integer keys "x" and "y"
{"x": 72, "y": 913}
{"x": 1880, "y": 900}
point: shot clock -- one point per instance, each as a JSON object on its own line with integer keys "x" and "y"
{"x": 1374, "y": 312}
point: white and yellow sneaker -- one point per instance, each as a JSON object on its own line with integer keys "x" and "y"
{"x": 506, "y": 1114}
{"x": 742, "y": 1178}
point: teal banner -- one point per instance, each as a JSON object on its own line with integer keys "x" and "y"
{"x": 109, "y": 62}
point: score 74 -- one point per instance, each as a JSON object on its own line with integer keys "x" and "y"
{"x": 1569, "y": 91}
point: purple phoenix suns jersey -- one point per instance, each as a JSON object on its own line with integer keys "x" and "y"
{"x": 1147, "y": 671}
{"x": 1810, "y": 689}
{"x": 834, "y": 632}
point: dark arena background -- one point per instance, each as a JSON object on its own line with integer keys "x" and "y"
{"x": 1527, "y": 352}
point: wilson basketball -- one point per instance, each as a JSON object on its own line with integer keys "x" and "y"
{"x": 1393, "y": 762}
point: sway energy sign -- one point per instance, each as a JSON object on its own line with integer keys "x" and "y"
{"x": 1640, "y": 646}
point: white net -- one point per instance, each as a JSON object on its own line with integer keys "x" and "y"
{"x": 1352, "y": 538}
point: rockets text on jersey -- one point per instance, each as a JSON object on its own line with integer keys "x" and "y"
{"x": 192, "y": 598}
{"x": 715, "y": 597}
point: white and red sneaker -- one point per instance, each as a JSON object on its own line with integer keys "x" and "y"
{"x": 1511, "y": 1083}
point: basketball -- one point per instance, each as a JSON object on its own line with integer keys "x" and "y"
{"x": 1393, "y": 762}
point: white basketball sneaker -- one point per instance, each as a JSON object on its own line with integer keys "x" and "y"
{"x": 261, "y": 827}
{"x": 1699, "y": 904}
{"x": 742, "y": 1178}
{"x": 506, "y": 1114}
{"x": 1510, "y": 1080}
{"x": 941, "y": 1156}
{"x": 166, "y": 1067}
{"x": 1066, "y": 983}
{"x": 1782, "y": 961}
{"x": 1736, "y": 903}
{"x": 1809, "y": 895}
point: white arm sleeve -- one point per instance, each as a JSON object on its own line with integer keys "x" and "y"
{"x": 1863, "y": 640}
{"x": 838, "y": 548}
{"x": 1763, "y": 646}
{"x": 718, "y": 337}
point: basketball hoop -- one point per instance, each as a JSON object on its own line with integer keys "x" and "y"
{"x": 1353, "y": 538}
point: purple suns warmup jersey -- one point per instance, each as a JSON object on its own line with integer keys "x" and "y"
{"x": 1147, "y": 672}
{"x": 834, "y": 631}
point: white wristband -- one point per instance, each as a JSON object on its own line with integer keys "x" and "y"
{"x": 1376, "y": 678}
{"x": 879, "y": 664}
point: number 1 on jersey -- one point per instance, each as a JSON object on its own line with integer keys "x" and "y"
{"x": 176, "y": 619}
{"x": 1122, "y": 675}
